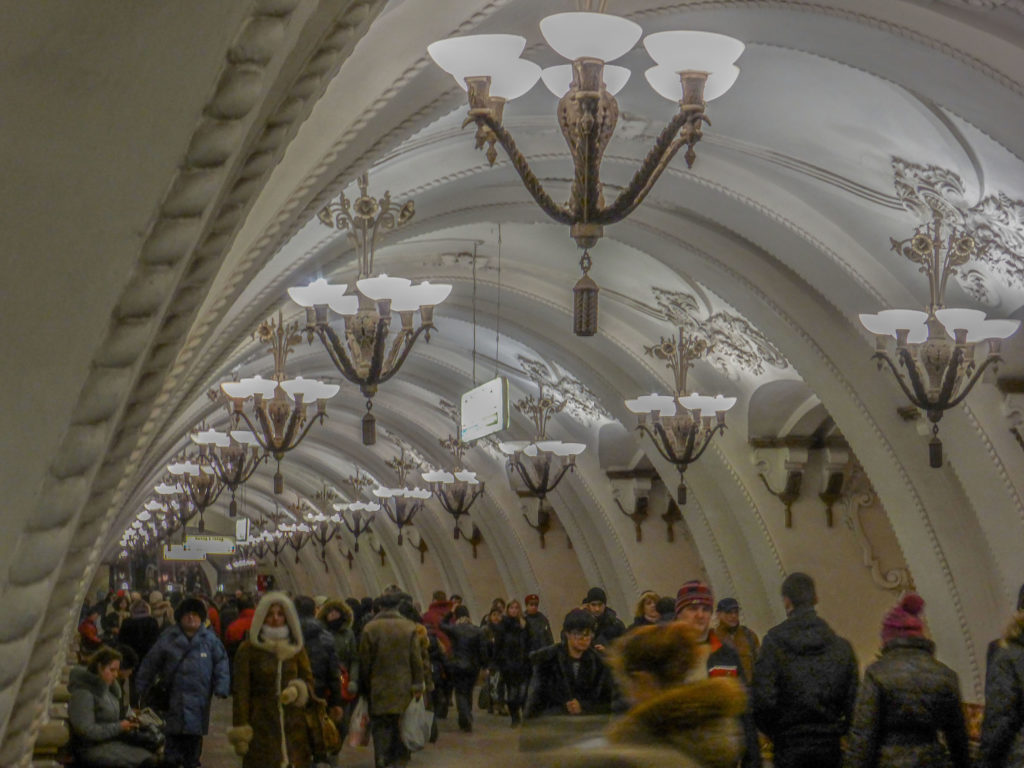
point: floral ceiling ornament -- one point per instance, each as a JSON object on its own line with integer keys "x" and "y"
{"x": 734, "y": 343}
{"x": 567, "y": 391}
{"x": 996, "y": 221}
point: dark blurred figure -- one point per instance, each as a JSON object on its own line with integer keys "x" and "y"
{"x": 666, "y": 607}
{"x": 905, "y": 700}
{"x": 805, "y": 683}
{"x": 468, "y": 656}
{"x": 537, "y": 625}
{"x": 1002, "y": 732}
{"x": 607, "y": 627}
{"x": 140, "y": 630}
{"x": 569, "y": 678}
{"x": 513, "y": 659}
{"x": 323, "y": 658}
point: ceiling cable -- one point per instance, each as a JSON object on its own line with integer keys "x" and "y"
{"x": 497, "y": 324}
{"x": 474, "y": 314}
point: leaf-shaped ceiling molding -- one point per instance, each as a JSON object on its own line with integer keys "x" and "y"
{"x": 996, "y": 221}
{"x": 735, "y": 344}
{"x": 580, "y": 401}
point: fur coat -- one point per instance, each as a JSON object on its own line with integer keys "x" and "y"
{"x": 273, "y": 681}
{"x": 1002, "y": 732}
{"x": 390, "y": 663}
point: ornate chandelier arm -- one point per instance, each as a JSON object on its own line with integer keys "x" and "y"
{"x": 336, "y": 350}
{"x": 660, "y": 155}
{"x": 974, "y": 379}
{"x": 707, "y": 441}
{"x": 394, "y": 365}
{"x": 557, "y": 212}
{"x": 950, "y": 376}
{"x": 377, "y": 357}
{"x": 290, "y": 444}
{"x": 666, "y": 452}
{"x": 258, "y": 432}
{"x": 244, "y": 469}
{"x": 911, "y": 371}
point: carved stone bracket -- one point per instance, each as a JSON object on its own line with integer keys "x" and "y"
{"x": 835, "y": 473}
{"x": 672, "y": 516}
{"x": 785, "y": 466}
{"x": 476, "y": 539}
{"x": 636, "y": 484}
{"x": 863, "y": 495}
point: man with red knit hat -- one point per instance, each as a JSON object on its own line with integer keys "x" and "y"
{"x": 694, "y": 603}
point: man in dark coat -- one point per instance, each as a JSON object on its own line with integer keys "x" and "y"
{"x": 323, "y": 656}
{"x": 569, "y": 678}
{"x": 537, "y": 626}
{"x": 1002, "y": 732}
{"x": 805, "y": 683}
{"x": 608, "y": 626}
{"x": 468, "y": 656}
{"x": 193, "y": 659}
{"x": 391, "y": 673}
{"x": 693, "y": 608}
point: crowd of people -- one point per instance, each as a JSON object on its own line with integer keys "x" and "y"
{"x": 675, "y": 689}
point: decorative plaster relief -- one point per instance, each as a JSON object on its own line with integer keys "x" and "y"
{"x": 863, "y": 495}
{"x": 996, "y": 220}
{"x": 574, "y": 396}
{"x": 736, "y": 345}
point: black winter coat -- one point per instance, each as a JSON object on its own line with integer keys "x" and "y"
{"x": 609, "y": 628}
{"x": 323, "y": 659}
{"x": 468, "y": 651}
{"x": 1002, "y": 732}
{"x": 905, "y": 699}
{"x": 139, "y": 633}
{"x": 512, "y": 652}
{"x": 805, "y": 681}
{"x": 553, "y": 684}
{"x": 538, "y": 629}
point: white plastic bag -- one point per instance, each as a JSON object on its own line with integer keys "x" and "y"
{"x": 359, "y": 725}
{"x": 415, "y": 725}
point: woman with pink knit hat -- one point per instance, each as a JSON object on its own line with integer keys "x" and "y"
{"x": 906, "y": 699}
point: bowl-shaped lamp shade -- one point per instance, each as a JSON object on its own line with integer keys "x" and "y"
{"x": 680, "y": 50}
{"x": 664, "y": 404}
{"x": 432, "y": 294}
{"x": 386, "y": 493}
{"x": 317, "y": 292}
{"x": 325, "y": 391}
{"x": 888, "y": 321}
{"x": 467, "y": 477}
{"x": 183, "y": 468}
{"x": 473, "y": 55}
{"x": 417, "y": 493}
{"x": 595, "y": 35}
{"x": 558, "y": 79}
{"x": 249, "y": 387}
{"x": 512, "y": 446}
{"x": 667, "y": 83}
{"x": 405, "y": 300}
{"x": 155, "y": 506}
{"x": 144, "y": 516}
{"x": 509, "y": 79}
{"x": 211, "y": 437}
{"x": 570, "y": 449}
{"x": 308, "y": 388}
{"x": 706, "y": 404}
{"x": 438, "y": 476}
{"x": 973, "y": 321}
{"x": 997, "y": 329}
{"x": 164, "y": 489}
{"x": 243, "y": 437}
{"x": 382, "y": 286}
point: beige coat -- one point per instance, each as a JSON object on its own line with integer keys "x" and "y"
{"x": 390, "y": 663}
{"x": 272, "y": 681}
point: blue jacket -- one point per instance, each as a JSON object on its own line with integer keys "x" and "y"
{"x": 201, "y": 674}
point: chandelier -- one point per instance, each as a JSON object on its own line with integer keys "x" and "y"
{"x": 691, "y": 69}
{"x": 458, "y": 490}
{"x": 681, "y": 435}
{"x": 179, "y": 505}
{"x": 232, "y": 456}
{"x": 279, "y": 405}
{"x": 936, "y": 349}
{"x": 403, "y": 503}
{"x": 199, "y": 482}
{"x": 323, "y": 524}
{"x": 360, "y": 513}
{"x": 362, "y": 354}
{"x": 542, "y": 463}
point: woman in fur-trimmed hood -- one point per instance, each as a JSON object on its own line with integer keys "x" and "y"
{"x": 273, "y": 681}
{"x": 671, "y": 721}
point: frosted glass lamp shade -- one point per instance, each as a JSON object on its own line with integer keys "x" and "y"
{"x": 467, "y": 477}
{"x": 382, "y": 286}
{"x": 432, "y": 294}
{"x": 509, "y": 79}
{"x": 417, "y": 493}
{"x": 325, "y": 391}
{"x": 973, "y": 321}
{"x": 144, "y": 516}
{"x": 211, "y": 437}
{"x": 256, "y": 385}
{"x": 707, "y": 405}
{"x": 243, "y": 437}
{"x": 997, "y": 329}
{"x": 663, "y": 404}
{"x": 513, "y": 446}
{"x": 666, "y": 82}
{"x": 183, "y": 468}
{"x": 594, "y": 35}
{"x": 318, "y": 292}
{"x": 154, "y": 506}
{"x": 570, "y": 449}
{"x": 405, "y": 300}
{"x": 308, "y": 388}
{"x": 386, "y": 493}
{"x": 546, "y": 445}
{"x": 680, "y": 50}
{"x": 438, "y": 476}
{"x": 558, "y": 79}
{"x": 473, "y": 55}
{"x": 888, "y": 321}
{"x": 164, "y": 489}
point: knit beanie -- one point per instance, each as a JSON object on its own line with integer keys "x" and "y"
{"x": 595, "y": 595}
{"x": 461, "y": 612}
{"x": 691, "y": 592}
{"x": 903, "y": 621}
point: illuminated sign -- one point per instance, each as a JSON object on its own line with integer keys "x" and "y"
{"x": 241, "y": 529}
{"x": 484, "y": 410}
{"x": 178, "y": 552}
{"x": 210, "y": 545}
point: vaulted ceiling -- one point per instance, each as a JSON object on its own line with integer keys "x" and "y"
{"x": 179, "y": 202}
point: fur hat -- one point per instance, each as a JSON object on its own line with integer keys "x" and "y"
{"x": 903, "y": 621}
{"x": 139, "y": 608}
{"x": 283, "y": 650}
{"x": 691, "y": 592}
{"x": 343, "y": 608}
{"x": 666, "y": 651}
{"x": 190, "y": 605}
{"x": 577, "y": 620}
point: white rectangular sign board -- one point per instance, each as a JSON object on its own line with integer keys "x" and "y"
{"x": 242, "y": 529}
{"x": 484, "y": 410}
{"x": 210, "y": 545}
{"x": 178, "y": 552}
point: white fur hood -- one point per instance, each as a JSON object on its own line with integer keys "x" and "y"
{"x": 284, "y": 649}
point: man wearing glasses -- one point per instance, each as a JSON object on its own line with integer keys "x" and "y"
{"x": 569, "y": 677}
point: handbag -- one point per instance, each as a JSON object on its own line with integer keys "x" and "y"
{"x": 359, "y": 725}
{"x": 158, "y": 695}
{"x": 323, "y": 733}
{"x": 345, "y": 695}
{"x": 149, "y": 737}
{"x": 414, "y": 725}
